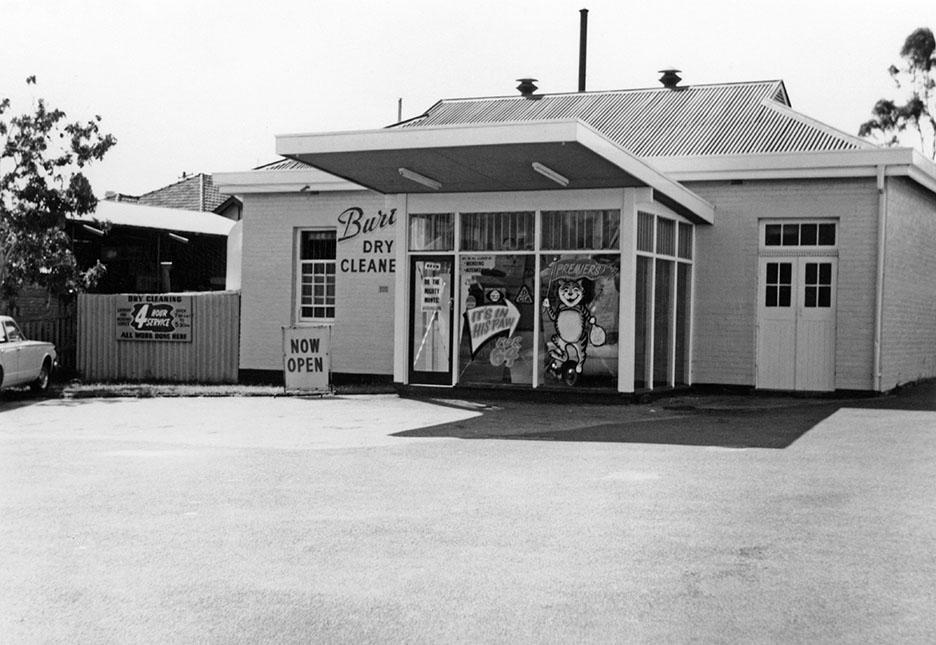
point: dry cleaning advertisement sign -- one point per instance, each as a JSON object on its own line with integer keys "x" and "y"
{"x": 148, "y": 317}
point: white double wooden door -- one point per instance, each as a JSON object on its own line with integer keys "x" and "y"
{"x": 796, "y": 323}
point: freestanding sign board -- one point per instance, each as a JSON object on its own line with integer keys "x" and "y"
{"x": 306, "y": 358}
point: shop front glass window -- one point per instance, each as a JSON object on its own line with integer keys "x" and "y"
{"x": 643, "y": 320}
{"x": 663, "y": 302}
{"x": 579, "y": 297}
{"x": 504, "y": 231}
{"x": 662, "y": 321}
{"x": 581, "y": 229}
{"x": 683, "y": 316}
{"x": 497, "y": 306}
{"x": 431, "y": 232}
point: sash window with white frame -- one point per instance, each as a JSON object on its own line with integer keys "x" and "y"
{"x": 316, "y": 275}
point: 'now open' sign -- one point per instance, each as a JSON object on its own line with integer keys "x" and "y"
{"x": 306, "y": 353}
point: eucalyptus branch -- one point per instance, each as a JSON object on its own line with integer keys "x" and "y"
{"x": 890, "y": 120}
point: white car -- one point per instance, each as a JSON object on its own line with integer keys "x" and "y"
{"x": 24, "y": 362}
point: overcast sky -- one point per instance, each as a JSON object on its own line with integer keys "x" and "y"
{"x": 204, "y": 85}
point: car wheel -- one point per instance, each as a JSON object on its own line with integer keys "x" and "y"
{"x": 41, "y": 384}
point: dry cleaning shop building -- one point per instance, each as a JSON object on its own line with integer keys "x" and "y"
{"x": 627, "y": 240}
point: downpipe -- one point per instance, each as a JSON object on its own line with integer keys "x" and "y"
{"x": 879, "y": 278}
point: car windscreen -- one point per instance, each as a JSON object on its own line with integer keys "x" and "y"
{"x": 12, "y": 331}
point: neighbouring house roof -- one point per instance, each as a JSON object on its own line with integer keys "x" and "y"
{"x": 284, "y": 164}
{"x": 169, "y": 219}
{"x": 226, "y": 204}
{"x": 195, "y": 193}
{"x": 719, "y": 119}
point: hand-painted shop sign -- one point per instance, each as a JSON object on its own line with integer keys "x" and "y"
{"x": 373, "y": 256}
{"x": 306, "y": 354}
{"x": 573, "y": 269}
{"x": 367, "y": 265}
{"x": 356, "y": 223}
{"x": 147, "y": 317}
{"x": 488, "y": 321}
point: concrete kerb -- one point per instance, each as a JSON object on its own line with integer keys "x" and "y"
{"x": 699, "y": 398}
{"x": 686, "y": 399}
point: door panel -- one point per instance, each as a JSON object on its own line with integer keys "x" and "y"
{"x": 796, "y": 323}
{"x": 431, "y": 306}
{"x": 776, "y": 337}
{"x": 815, "y": 325}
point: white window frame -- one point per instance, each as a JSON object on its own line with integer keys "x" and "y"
{"x": 300, "y": 263}
{"x": 658, "y": 214}
{"x": 498, "y": 203}
{"x": 797, "y": 249}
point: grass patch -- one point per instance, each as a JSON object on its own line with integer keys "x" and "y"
{"x": 80, "y": 390}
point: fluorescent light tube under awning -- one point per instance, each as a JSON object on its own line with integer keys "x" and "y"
{"x": 549, "y": 173}
{"x": 412, "y": 175}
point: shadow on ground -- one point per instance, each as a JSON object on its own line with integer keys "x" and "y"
{"x": 13, "y": 398}
{"x": 743, "y": 426}
{"x": 776, "y": 428}
{"x": 726, "y": 430}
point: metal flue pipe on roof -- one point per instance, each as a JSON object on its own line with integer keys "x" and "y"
{"x": 583, "y": 47}
{"x": 670, "y": 78}
{"x": 527, "y": 87}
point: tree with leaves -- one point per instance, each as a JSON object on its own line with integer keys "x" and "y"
{"x": 915, "y": 115}
{"x": 41, "y": 185}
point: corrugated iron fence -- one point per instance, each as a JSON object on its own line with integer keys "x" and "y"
{"x": 59, "y": 330}
{"x": 210, "y": 357}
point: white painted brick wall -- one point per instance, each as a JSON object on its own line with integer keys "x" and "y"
{"x": 909, "y": 328}
{"x": 725, "y": 313}
{"x": 362, "y": 338}
{"x": 726, "y": 273}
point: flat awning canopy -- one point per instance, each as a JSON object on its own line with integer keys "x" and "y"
{"x": 539, "y": 155}
{"x": 167, "y": 219}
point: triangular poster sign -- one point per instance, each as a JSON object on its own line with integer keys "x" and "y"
{"x": 523, "y": 296}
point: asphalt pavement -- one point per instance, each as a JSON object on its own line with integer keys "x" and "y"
{"x": 379, "y": 519}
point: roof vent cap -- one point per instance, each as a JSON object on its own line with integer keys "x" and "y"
{"x": 670, "y": 78}
{"x": 527, "y": 87}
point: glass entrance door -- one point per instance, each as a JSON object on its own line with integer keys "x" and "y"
{"x": 431, "y": 306}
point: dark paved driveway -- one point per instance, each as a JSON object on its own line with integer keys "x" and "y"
{"x": 730, "y": 421}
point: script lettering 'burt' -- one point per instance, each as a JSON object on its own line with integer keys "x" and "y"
{"x": 355, "y": 223}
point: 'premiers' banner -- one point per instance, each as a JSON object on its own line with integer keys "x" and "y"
{"x": 158, "y": 316}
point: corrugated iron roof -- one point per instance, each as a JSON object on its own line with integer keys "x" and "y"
{"x": 284, "y": 164}
{"x": 722, "y": 119}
